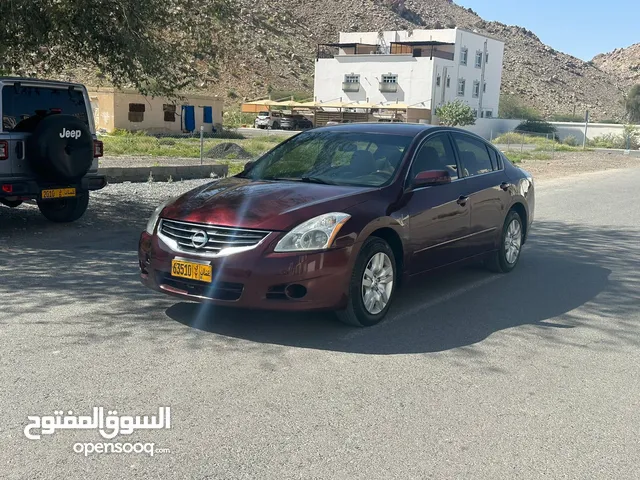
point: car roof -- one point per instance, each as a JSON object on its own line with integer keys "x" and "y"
{"x": 409, "y": 129}
{"x": 38, "y": 81}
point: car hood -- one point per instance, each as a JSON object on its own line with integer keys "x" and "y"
{"x": 269, "y": 205}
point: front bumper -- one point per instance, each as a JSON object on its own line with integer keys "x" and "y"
{"x": 255, "y": 279}
{"x": 33, "y": 189}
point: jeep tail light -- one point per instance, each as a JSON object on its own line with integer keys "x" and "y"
{"x": 4, "y": 150}
{"x": 98, "y": 149}
{"x": 7, "y": 188}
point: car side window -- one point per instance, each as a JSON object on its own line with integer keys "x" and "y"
{"x": 474, "y": 156}
{"x": 435, "y": 154}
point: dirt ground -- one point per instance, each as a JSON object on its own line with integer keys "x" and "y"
{"x": 574, "y": 163}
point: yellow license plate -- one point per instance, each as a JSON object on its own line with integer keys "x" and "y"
{"x": 192, "y": 271}
{"x": 59, "y": 193}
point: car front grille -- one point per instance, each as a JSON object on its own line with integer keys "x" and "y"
{"x": 206, "y": 239}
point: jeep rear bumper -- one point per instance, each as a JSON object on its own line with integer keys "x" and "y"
{"x": 26, "y": 189}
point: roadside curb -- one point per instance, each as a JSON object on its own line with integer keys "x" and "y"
{"x": 163, "y": 174}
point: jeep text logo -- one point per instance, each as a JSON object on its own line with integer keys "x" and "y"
{"x": 70, "y": 133}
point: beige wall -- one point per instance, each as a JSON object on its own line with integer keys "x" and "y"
{"x": 111, "y": 111}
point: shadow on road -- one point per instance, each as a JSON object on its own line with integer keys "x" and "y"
{"x": 564, "y": 267}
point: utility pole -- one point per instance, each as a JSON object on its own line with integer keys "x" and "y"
{"x": 586, "y": 125}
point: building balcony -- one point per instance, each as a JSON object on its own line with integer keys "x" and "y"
{"x": 350, "y": 87}
{"x": 388, "y": 87}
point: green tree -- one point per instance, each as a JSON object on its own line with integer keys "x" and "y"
{"x": 455, "y": 114}
{"x": 633, "y": 104}
{"x": 512, "y": 107}
{"x": 152, "y": 45}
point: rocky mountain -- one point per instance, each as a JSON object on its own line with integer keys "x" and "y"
{"x": 273, "y": 43}
{"x": 623, "y": 64}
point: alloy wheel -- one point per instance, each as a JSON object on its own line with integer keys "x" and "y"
{"x": 377, "y": 283}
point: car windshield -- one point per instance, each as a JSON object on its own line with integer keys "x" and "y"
{"x": 21, "y": 103}
{"x": 335, "y": 158}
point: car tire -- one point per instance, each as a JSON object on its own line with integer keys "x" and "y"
{"x": 358, "y": 313}
{"x": 64, "y": 210}
{"x": 506, "y": 257}
{"x": 275, "y": 126}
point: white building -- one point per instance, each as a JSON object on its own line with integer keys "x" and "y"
{"x": 425, "y": 68}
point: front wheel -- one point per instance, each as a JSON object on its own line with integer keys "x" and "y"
{"x": 506, "y": 257}
{"x": 372, "y": 284}
{"x": 64, "y": 210}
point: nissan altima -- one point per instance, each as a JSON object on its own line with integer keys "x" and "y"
{"x": 336, "y": 218}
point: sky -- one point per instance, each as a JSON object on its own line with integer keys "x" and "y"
{"x": 580, "y": 28}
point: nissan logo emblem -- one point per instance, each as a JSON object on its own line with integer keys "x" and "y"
{"x": 199, "y": 239}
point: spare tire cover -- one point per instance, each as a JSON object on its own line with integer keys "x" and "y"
{"x": 60, "y": 148}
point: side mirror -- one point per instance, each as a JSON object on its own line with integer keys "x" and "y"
{"x": 431, "y": 177}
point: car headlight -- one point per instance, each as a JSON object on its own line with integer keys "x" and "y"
{"x": 315, "y": 234}
{"x": 151, "y": 224}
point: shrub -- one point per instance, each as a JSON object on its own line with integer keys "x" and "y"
{"x": 535, "y": 126}
{"x": 512, "y": 107}
{"x": 455, "y": 114}
{"x": 571, "y": 141}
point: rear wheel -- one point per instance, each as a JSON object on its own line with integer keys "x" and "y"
{"x": 64, "y": 210}
{"x": 372, "y": 285}
{"x": 506, "y": 257}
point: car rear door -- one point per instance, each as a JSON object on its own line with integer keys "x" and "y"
{"x": 438, "y": 215}
{"x": 486, "y": 186}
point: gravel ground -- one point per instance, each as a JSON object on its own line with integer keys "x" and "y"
{"x": 575, "y": 163}
{"x": 125, "y": 161}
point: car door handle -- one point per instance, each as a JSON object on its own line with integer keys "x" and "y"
{"x": 463, "y": 199}
{"x": 505, "y": 186}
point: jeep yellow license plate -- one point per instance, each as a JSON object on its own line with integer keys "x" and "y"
{"x": 192, "y": 271}
{"x": 59, "y": 193}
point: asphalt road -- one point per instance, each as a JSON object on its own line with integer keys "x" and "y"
{"x": 474, "y": 375}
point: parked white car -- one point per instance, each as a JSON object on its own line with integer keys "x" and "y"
{"x": 268, "y": 120}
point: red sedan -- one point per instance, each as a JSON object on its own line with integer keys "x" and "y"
{"x": 336, "y": 218}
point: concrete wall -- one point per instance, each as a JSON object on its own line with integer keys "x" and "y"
{"x": 111, "y": 111}
{"x": 491, "y": 128}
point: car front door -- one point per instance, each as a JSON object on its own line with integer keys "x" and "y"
{"x": 438, "y": 214}
{"x": 487, "y": 187}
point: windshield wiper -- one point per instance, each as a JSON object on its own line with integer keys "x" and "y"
{"x": 321, "y": 181}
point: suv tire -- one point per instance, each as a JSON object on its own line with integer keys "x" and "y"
{"x": 64, "y": 210}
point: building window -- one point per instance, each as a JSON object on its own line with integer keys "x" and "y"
{"x": 486, "y": 57}
{"x": 389, "y": 83}
{"x": 448, "y": 82}
{"x": 136, "y": 112}
{"x": 488, "y": 114}
{"x": 461, "y": 86}
{"x": 438, "y": 80}
{"x": 484, "y": 87}
{"x": 475, "y": 113}
{"x": 478, "y": 59}
{"x": 169, "y": 113}
{"x": 351, "y": 83}
{"x": 476, "y": 89}
{"x": 464, "y": 53}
